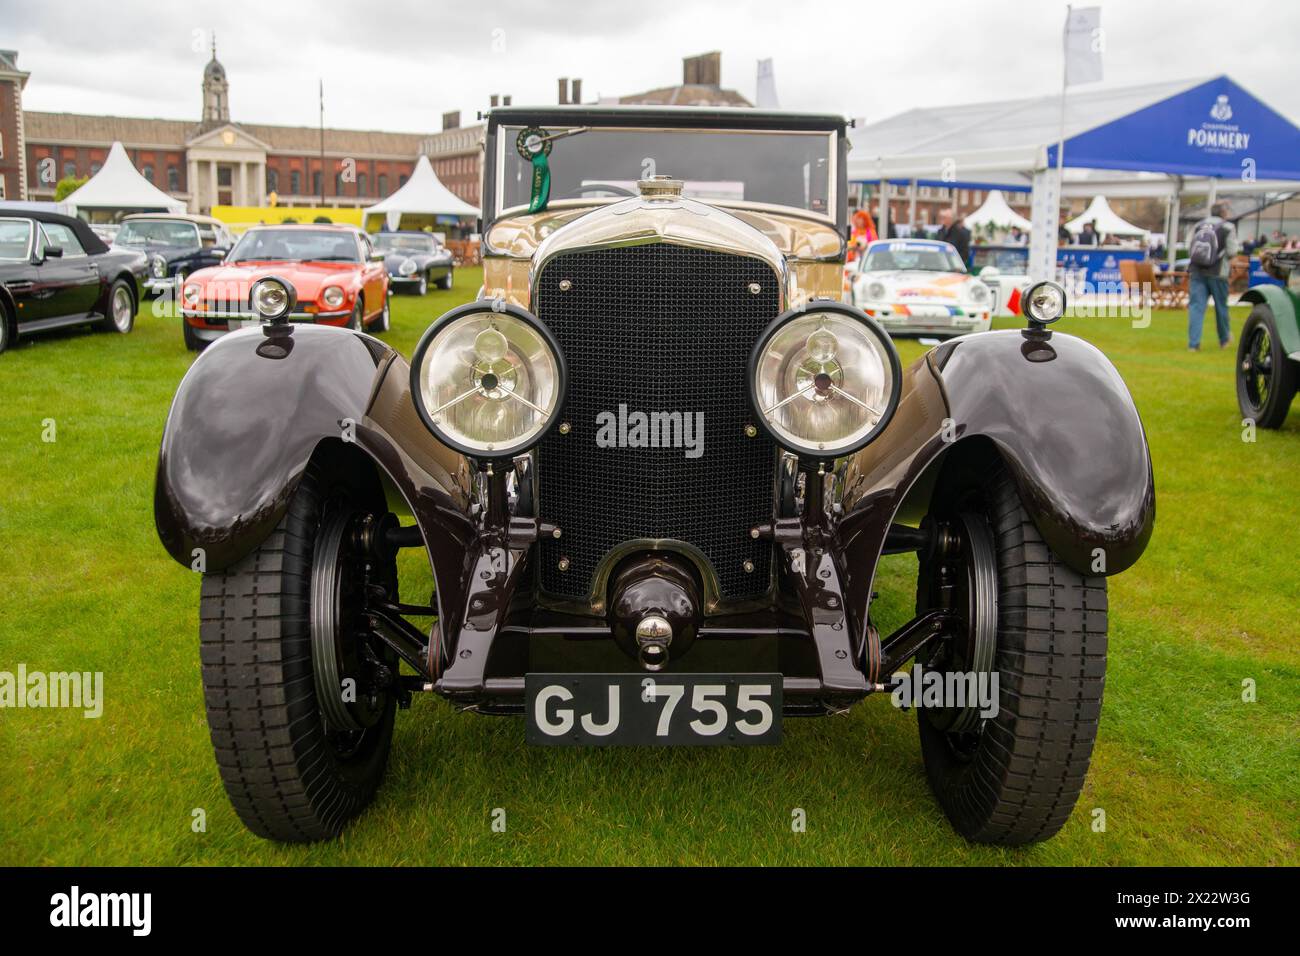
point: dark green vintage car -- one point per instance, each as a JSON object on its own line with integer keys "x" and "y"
{"x": 1268, "y": 355}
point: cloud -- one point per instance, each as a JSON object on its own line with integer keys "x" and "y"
{"x": 399, "y": 64}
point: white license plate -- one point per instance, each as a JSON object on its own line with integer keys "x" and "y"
{"x": 692, "y": 710}
{"x": 929, "y": 312}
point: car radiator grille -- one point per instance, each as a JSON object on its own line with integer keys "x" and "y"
{"x": 658, "y": 328}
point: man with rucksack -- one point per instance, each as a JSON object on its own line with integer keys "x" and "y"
{"x": 1210, "y": 249}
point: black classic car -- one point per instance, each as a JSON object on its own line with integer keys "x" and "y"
{"x": 55, "y": 272}
{"x": 653, "y": 471}
{"x": 414, "y": 259}
{"x": 175, "y": 245}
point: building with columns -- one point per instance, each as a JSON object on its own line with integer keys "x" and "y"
{"x": 217, "y": 161}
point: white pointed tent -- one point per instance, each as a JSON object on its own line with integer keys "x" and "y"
{"x": 1109, "y": 222}
{"x": 423, "y": 196}
{"x": 119, "y": 187}
{"x": 995, "y": 212}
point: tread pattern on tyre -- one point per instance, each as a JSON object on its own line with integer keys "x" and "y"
{"x": 1026, "y": 775}
{"x": 281, "y": 773}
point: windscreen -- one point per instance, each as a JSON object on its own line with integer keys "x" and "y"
{"x": 912, "y": 256}
{"x": 162, "y": 232}
{"x": 298, "y": 245}
{"x": 396, "y": 242}
{"x": 777, "y": 168}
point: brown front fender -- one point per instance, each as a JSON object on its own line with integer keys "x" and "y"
{"x": 1058, "y": 414}
{"x": 247, "y": 418}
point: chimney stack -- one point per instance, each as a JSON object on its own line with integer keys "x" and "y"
{"x": 702, "y": 70}
{"x": 451, "y": 120}
{"x": 564, "y": 90}
{"x": 575, "y": 91}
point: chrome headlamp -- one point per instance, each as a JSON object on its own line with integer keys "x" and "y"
{"x": 488, "y": 379}
{"x": 192, "y": 293}
{"x": 332, "y": 297}
{"x": 1043, "y": 302}
{"x": 824, "y": 380}
{"x": 272, "y": 298}
{"x": 158, "y": 267}
{"x": 876, "y": 291}
{"x": 407, "y": 267}
{"x": 978, "y": 292}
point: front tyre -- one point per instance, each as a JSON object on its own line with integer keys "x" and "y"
{"x": 120, "y": 313}
{"x": 7, "y": 328}
{"x": 1040, "y": 627}
{"x": 385, "y": 320}
{"x": 300, "y": 700}
{"x": 192, "y": 340}
{"x": 447, "y": 281}
{"x": 1266, "y": 377}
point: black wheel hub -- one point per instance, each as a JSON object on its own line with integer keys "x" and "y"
{"x": 1257, "y": 367}
{"x": 351, "y": 675}
{"x": 968, "y": 585}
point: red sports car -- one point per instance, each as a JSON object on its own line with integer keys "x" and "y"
{"x": 339, "y": 278}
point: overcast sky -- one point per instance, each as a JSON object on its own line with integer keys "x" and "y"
{"x": 398, "y": 64}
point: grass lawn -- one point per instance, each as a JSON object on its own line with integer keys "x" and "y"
{"x": 1185, "y": 771}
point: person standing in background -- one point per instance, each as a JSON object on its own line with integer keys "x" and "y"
{"x": 1211, "y": 246}
{"x": 1063, "y": 236}
{"x": 954, "y": 233}
{"x": 862, "y": 232}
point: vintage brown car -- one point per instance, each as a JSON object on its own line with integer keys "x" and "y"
{"x": 654, "y": 468}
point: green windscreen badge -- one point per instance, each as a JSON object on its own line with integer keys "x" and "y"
{"x": 534, "y": 146}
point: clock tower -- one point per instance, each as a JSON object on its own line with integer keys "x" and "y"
{"x": 216, "y": 92}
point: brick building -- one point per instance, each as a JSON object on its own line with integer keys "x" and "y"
{"x": 216, "y": 161}
{"x": 456, "y": 155}
{"x": 12, "y": 81}
{"x": 930, "y": 202}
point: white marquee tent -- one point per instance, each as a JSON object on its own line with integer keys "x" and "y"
{"x": 118, "y": 186}
{"x": 424, "y": 195}
{"x": 995, "y": 212}
{"x": 1109, "y": 222}
{"x": 1192, "y": 137}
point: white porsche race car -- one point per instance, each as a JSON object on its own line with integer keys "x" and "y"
{"x": 919, "y": 287}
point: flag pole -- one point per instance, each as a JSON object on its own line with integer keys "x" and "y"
{"x": 1060, "y": 142}
{"x": 322, "y": 142}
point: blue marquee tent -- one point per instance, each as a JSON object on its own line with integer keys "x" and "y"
{"x": 1213, "y": 129}
{"x": 1161, "y": 139}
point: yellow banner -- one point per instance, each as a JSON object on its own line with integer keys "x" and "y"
{"x": 242, "y": 217}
